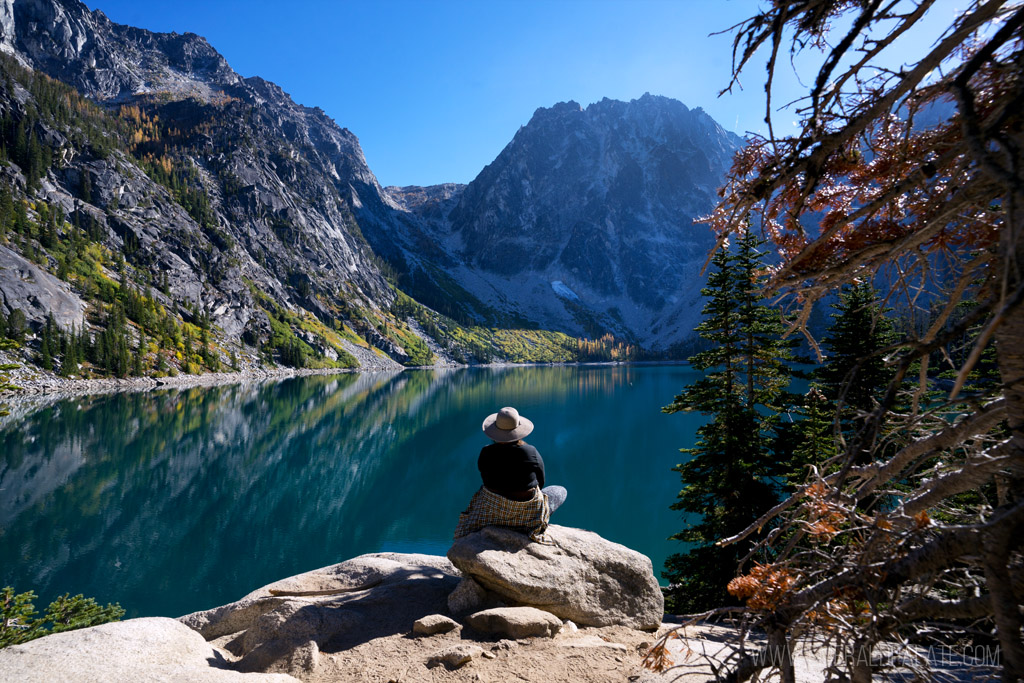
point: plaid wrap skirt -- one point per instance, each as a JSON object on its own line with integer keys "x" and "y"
{"x": 488, "y": 508}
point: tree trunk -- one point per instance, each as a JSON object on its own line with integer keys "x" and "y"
{"x": 1009, "y": 338}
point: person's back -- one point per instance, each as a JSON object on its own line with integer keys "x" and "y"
{"x": 511, "y": 469}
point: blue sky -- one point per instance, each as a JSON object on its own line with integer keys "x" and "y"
{"x": 435, "y": 89}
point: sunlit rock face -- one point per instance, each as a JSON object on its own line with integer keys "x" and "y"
{"x": 106, "y": 61}
{"x": 584, "y": 222}
{"x": 286, "y": 185}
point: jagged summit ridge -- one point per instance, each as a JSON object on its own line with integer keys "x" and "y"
{"x": 109, "y": 61}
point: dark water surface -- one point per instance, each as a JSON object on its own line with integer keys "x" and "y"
{"x": 174, "y": 501}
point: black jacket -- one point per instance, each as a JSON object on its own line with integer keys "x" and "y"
{"x": 508, "y": 468}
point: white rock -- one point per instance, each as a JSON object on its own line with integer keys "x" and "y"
{"x": 344, "y": 604}
{"x": 569, "y": 628}
{"x": 149, "y": 649}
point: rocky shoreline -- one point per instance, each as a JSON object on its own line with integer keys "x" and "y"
{"x": 61, "y": 387}
{"x": 33, "y": 382}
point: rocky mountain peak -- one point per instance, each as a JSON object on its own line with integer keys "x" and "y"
{"x": 109, "y": 61}
{"x": 556, "y": 110}
{"x": 7, "y": 30}
{"x": 594, "y": 208}
{"x": 248, "y": 206}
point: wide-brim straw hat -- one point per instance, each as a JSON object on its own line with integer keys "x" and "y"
{"x": 506, "y": 425}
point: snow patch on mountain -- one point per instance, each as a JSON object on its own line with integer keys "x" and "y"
{"x": 561, "y": 290}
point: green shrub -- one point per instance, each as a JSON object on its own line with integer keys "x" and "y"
{"x": 19, "y": 622}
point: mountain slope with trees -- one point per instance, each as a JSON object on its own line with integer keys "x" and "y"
{"x": 207, "y": 218}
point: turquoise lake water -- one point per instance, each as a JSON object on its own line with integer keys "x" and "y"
{"x": 174, "y": 501}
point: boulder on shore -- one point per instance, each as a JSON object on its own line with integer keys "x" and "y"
{"x": 333, "y": 608}
{"x": 581, "y": 576}
{"x": 149, "y": 649}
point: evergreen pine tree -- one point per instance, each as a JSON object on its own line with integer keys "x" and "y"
{"x": 86, "y": 188}
{"x": 137, "y": 368}
{"x": 766, "y": 355}
{"x": 19, "y": 622}
{"x": 45, "y": 354}
{"x": 6, "y": 209}
{"x": 21, "y": 224}
{"x": 16, "y": 326}
{"x": 814, "y": 439}
{"x": 112, "y": 344}
{"x": 727, "y": 482}
{"x": 21, "y": 146}
{"x": 70, "y": 612}
{"x": 17, "y": 617}
{"x": 34, "y": 161}
{"x": 49, "y": 344}
{"x": 854, "y": 374}
{"x": 69, "y": 361}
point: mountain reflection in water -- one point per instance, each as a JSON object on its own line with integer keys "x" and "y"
{"x": 174, "y": 501}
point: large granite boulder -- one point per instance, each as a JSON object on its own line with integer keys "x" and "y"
{"x": 581, "y": 577}
{"x": 284, "y": 625}
{"x": 150, "y": 649}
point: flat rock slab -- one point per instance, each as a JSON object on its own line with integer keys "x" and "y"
{"x": 329, "y": 609}
{"x": 516, "y": 622}
{"x": 150, "y": 649}
{"x": 581, "y": 577}
{"x": 588, "y": 641}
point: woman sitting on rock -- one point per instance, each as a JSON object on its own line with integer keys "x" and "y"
{"x": 513, "y": 492}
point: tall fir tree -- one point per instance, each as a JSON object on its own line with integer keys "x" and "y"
{"x": 17, "y": 325}
{"x": 855, "y": 375}
{"x": 810, "y": 440}
{"x": 766, "y": 355}
{"x": 727, "y": 482}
